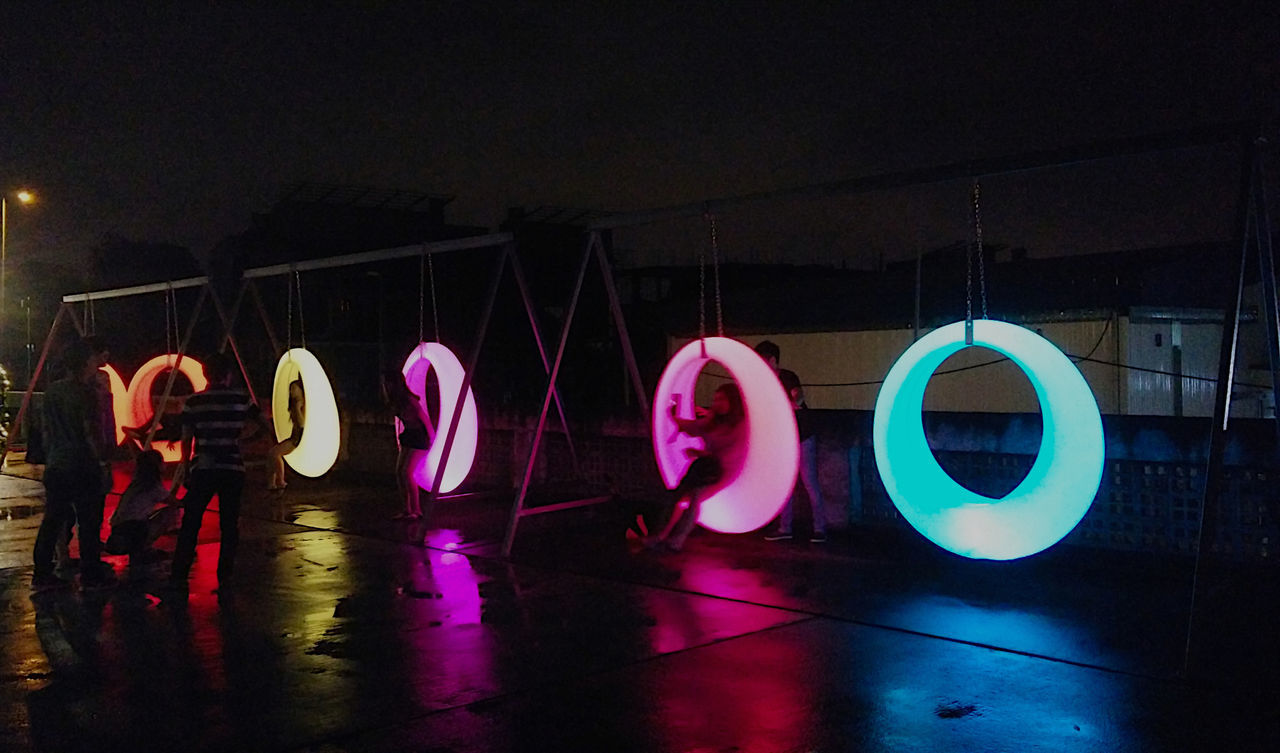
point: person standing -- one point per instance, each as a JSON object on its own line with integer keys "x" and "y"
{"x": 772, "y": 355}
{"x": 213, "y": 422}
{"x": 73, "y": 476}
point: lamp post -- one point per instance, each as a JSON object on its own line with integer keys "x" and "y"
{"x": 23, "y": 197}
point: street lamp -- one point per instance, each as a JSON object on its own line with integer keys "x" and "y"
{"x": 23, "y": 197}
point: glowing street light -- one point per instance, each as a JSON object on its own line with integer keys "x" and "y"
{"x": 24, "y": 197}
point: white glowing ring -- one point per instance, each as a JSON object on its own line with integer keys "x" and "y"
{"x": 139, "y": 395}
{"x": 120, "y": 406}
{"x": 449, "y": 374}
{"x": 321, "y": 432}
{"x": 756, "y": 483}
{"x": 1057, "y": 491}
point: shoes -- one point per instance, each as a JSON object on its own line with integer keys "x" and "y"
{"x": 50, "y": 582}
{"x": 779, "y": 537}
{"x": 277, "y": 487}
{"x": 406, "y": 516}
{"x": 818, "y": 538}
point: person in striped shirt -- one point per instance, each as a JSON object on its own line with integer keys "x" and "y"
{"x": 213, "y": 423}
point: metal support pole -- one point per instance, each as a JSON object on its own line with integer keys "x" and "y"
{"x": 262, "y": 313}
{"x": 1211, "y": 498}
{"x": 466, "y": 384}
{"x": 233, "y": 316}
{"x": 1267, "y": 264}
{"x": 518, "y": 272}
{"x": 229, "y": 339}
{"x": 518, "y": 506}
{"x": 35, "y": 375}
{"x": 615, "y": 304}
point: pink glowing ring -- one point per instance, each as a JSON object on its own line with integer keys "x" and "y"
{"x": 449, "y": 374}
{"x": 139, "y": 395}
{"x": 120, "y": 406}
{"x": 756, "y": 484}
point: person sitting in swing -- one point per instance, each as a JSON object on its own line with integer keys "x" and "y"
{"x": 723, "y": 431}
{"x": 297, "y": 419}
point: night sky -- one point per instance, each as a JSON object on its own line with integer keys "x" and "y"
{"x": 174, "y": 122}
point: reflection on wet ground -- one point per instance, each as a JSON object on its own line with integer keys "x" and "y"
{"x": 343, "y": 632}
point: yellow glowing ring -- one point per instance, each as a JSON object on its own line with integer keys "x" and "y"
{"x": 318, "y": 450}
{"x": 758, "y": 481}
{"x": 120, "y": 407}
{"x": 139, "y": 395}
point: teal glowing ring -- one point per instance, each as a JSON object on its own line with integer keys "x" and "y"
{"x": 1057, "y": 491}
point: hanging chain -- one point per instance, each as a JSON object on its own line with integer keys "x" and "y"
{"x": 715, "y": 266}
{"x": 977, "y": 232}
{"x": 168, "y": 319}
{"x": 422, "y": 263}
{"x": 435, "y": 313}
{"x": 702, "y": 294}
{"x": 288, "y": 322}
{"x": 90, "y": 317}
{"x": 302, "y": 323}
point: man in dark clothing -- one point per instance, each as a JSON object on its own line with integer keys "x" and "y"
{"x": 72, "y": 477}
{"x": 772, "y": 354}
{"x": 213, "y": 420}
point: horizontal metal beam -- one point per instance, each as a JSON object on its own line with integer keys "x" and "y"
{"x": 154, "y": 287}
{"x": 983, "y": 168}
{"x": 369, "y": 257}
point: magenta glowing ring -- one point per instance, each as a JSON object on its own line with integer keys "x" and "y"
{"x": 322, "y": 428}
{"x": 139, "y": 395}
{"x": 449, "y": 374}
{"x": 756, "y": 483}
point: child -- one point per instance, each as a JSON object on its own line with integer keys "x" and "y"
{"x": 297, "y": 417}
{"x": 722, "y": 430}
{"x": 146, "y": 509}
{"x": 414, "y": 439}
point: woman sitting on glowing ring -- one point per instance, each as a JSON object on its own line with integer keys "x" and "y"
{"x": 298, "y": 419}
{"x": 723, "y": 431}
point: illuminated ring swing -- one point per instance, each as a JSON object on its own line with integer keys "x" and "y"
{"x": 449, "y": 374}
{"x": 318, "y": 450}
{"x": 1055, "y": 494}
{"x": 120, "y": 405}
{"x": 139, "y": 395}
{"x": 755, "y": 486}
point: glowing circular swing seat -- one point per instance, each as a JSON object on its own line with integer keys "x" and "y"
{"x": 756, "y": 485}
{"x": 139, "y": 396}
{"x": 318, "y": 450}
{"x": 449, "y": 375}
{"x": 1055, "y": 494}
{"x": 120, "y": 406}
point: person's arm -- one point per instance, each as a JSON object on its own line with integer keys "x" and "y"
{"x": 184, "y": 461}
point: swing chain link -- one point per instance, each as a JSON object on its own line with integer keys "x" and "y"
{"x": 435, "y": 313}
{"x": 302, "y": 322}
{"x": 977, "y": 231}
{"x": 288, "y": 346}
{"x": 702, "y": 293}
{"x": 422, "y": 263}
{"x": 715, "y": 266}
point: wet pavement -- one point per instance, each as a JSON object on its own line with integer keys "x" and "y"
{"x": 344, "y": 633}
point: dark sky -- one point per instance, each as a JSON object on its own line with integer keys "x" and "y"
{"x": 173, "y": 122}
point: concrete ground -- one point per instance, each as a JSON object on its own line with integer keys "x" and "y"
{"x": 345, "y": 633}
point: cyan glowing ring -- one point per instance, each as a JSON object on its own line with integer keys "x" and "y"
{"x": 1057, "y": 491}
{"x": 139, "y": 395}
{"x": 449, "y": 374}
{"x": 321, "y": 435}
{"x": 758, "y": 481}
